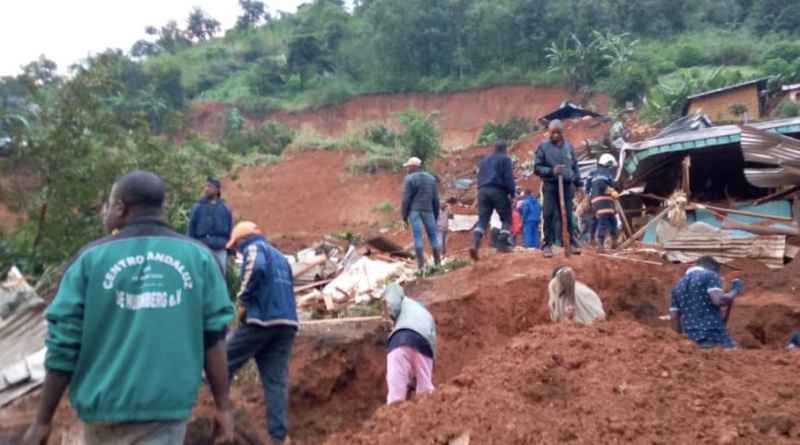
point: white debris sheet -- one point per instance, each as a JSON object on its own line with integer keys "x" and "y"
{"x": 22, "y": 334}
{"x": 363, "y": 280}
{"x": 465, "y": 223}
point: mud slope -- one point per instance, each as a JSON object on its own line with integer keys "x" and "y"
{"x": 312, "y": 194}
{"x": 462, "y": 114}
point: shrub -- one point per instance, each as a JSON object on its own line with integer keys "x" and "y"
{"x": 379, "y": 134}
{"x": 421, "y": 137}
{"x": 629, "y": 85}
{"x": 271, "y": 138}
{"x": 689, "y": 56}
{"x": 788, "y": 108}
{"x": 514, "y": 129}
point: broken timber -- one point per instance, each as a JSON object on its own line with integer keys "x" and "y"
{"x": 642, "y": 231}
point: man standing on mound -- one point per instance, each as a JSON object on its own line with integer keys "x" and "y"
{"x": 496, "y": 189}
{"x": 556, "y": 158}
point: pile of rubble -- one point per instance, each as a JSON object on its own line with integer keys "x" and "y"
{"x": 331, "y": 277}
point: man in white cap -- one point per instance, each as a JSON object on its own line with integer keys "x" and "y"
{"x": 421, "y": 209}
{"x": 556, "y": 158}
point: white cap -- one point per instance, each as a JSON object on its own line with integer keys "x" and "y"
{"x": 607, "y": 159}
{"x": 413, "y": 162}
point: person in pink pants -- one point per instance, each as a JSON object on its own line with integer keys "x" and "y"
{"x": 411, "y": 345}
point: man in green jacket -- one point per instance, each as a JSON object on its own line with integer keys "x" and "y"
{"x": 138, "y": 315}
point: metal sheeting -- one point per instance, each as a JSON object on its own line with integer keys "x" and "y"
{"x": 633, "y": 154}
{"x": 780, "y": 152}
{"x": 701, "y": 240}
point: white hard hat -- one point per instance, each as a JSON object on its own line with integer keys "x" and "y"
{"x": 607, "y": 160}
{"x": 413, "y": 162}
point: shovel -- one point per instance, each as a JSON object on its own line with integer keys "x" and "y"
{"x": 565, "y": 235}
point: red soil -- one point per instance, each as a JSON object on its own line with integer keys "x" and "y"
{"x": 310, "y": 195}
{"x": 462, "y": 114}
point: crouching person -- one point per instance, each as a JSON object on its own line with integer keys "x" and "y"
{"x": 411, "y": 346}
{"x": 696, "y": 302}
{"x": 268, "y": 316}
{"x": 572, "y": 300}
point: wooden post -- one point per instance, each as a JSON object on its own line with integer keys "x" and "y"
{"x": 641, "y": 231}
{"x": 686, "y": 183}
{"x": 565, "y": 235}
{"x": 624, "y": 218}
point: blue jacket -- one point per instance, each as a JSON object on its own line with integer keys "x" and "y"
{"x": 211, "y": 223}
{"x": 496, "y": 171}
{"x": 548, "y": 155}
{"x": 531, "y": 211}
{"x": 267, "y": 285}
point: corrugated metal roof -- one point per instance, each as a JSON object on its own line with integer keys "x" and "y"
{"x": 633, "y": 154}
{"x": 730, "y": 87}
{"x": 780, "y": 152}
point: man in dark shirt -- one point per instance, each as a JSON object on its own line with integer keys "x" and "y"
{"x": 211, "y": 221}
{"x": 421, "y": 209}
{"x": 555, "y": 158}
{"x": 496, "y": 189}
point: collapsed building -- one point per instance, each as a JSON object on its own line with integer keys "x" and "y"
{"x": 715, "y": 190}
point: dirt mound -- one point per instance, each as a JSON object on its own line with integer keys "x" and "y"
{"x": 312, "y": 194}
{"x": 462, "y": 114}
{"x": 613, "y": 382}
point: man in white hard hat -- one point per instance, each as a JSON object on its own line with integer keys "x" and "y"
{"x": 421, "y": 209}
{"x": 602, "y": 194}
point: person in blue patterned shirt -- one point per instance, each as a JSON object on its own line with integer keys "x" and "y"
{"x": 696, "y": 305}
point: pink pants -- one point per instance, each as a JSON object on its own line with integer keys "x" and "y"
{"x": 402, "y": 364}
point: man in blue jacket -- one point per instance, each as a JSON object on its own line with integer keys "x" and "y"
{"x": 496, "y": 189}
{"x": 268, "y": 316}
{"x": 531, "y": 213}
{"x": 211, "y": 221}
{"x": 554, "y": 158}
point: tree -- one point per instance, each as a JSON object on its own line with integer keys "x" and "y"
{"x": 306, "y": 58}
{"x": 143, "y": 48}
{"x": 201, "y": 26}
{"x": 171, "y": 38}
{"x": 252, "y": 13}
{"x": 42, "y": 72}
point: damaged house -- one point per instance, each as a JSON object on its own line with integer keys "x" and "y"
{"x": 727, "y": 178}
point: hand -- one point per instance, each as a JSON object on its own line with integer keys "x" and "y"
{"x": 224, "y": 427}
{"x": 614, "y": 193}
{"x": 737, "y": 285}
{"x": 558, "y": 170}
{"x": 37, "y": 434}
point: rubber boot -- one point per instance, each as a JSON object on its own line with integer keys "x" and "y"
{"x": 420, "y": 259}
{"x": 476, "y": 245}
{"x": 613, "y": 244}
{"x": 601, "y": 245}
{"x": 437, "y": 257}
{"x": 547, "y": 251}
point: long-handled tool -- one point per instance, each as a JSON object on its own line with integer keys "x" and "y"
{"x": 565, "y": 235}
{"x": 728, "y": 313}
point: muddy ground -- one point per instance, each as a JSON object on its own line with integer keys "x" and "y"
{"x": 504, "y": 374}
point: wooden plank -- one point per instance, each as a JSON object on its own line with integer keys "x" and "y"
{"x": 309, "y": 286}
{"x": 339, "y": 321}
{"x": 641, "y": 231}
{"x": 740, "y": 212}
{"x": 776, "y": 195}
{"x": 761, "y": 230}
{"x": 634, "y": 260}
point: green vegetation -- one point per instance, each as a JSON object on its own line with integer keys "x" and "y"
{"x": 514, "y": 129}
{"x": 117, "y": 111}
{"x": 387, "y": 150}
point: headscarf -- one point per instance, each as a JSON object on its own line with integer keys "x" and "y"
{"x": 565, "y": 291}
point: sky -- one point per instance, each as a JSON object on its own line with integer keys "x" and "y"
{"x": 66, "y": 31}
